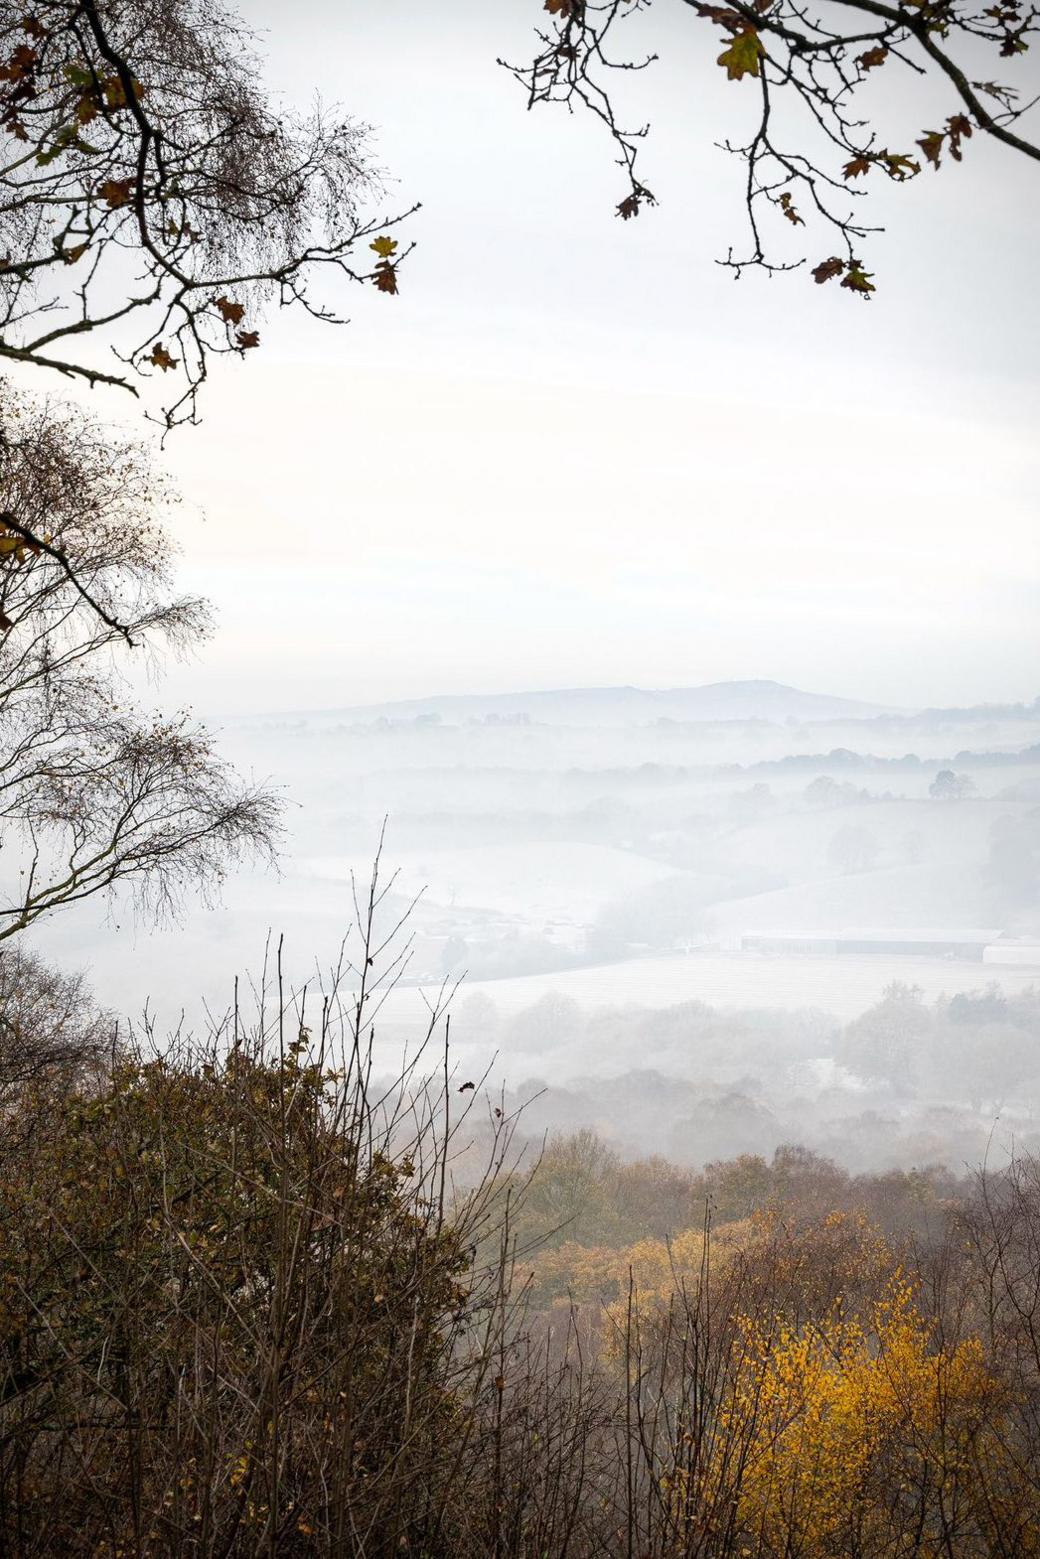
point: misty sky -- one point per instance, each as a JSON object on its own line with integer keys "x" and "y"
{"x": 575, "y": 451}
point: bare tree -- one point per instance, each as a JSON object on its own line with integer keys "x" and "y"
{"x": 153, "y": 198}
{"x": 94, "y": 794}
{"x": 813, "y": 146}
{"x": 49, "y": 1027}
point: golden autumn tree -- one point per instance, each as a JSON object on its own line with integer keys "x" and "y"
{"x": 857, "y": 1430}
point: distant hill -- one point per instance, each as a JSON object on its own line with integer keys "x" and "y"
{"x": 718, "y": 701}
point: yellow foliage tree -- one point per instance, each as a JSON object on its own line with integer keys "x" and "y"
{"x": 857, "y": 1433}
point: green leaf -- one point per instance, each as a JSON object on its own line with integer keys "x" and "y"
{"x": 743, "y": 56}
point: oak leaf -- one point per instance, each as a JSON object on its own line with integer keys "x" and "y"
{"x": 161, "y": 358}
{"x": 827, "y": 269}
{"x": 958, "y": 127}
{"x": 722, "y": 15}
{"x": 899, "y": 166}
{"x": 21, "y": 62}
{"x": 858, "y": 165}
{"x": 247, "y": 339}
{"x": 116, "y": 192}
{"x": 115, "y": 92}
{"x": 788, "y": 209}
{"x": 385, "y": 277}
{"x": 931, "y": 143}
{"x": 384, "y": 247}
{"x": 872, "y": 58}
{"x": 858, "y": 280}
{"x": 231, "y": 313}
{"x": 744, "y": 55}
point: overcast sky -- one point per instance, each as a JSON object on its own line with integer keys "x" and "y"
{"x": 574, "y": 451}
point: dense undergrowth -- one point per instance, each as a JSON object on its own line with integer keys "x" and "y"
{"x": 252, "y": 1302}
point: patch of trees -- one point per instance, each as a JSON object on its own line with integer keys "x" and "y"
{"x": 950, "y": 786}
{"x": 979, "y": 1048}
{"x": 245, "y": 1307}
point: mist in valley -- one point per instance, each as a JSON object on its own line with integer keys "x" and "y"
{"x": 698, "y": 922}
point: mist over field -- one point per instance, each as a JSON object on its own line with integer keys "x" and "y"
{"x": 701, "y": 921}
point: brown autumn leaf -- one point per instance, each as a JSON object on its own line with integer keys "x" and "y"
{"x": 161, "y": 358}
{"x": 231, "y": 313}
{"x": 931, "y": 143}
{"x": 628, "y": 208}
{"x": 858, "y": 165}
{"x": 385, "y": 277}
{"x": 115, "y": 92}
{"x": 788, "y": 209}
{"x": 872, "y": 58}
{"x": 958, "y": 128}
{"x": 21, "y": 62}
{"x": 116, "y": 192}
{"x": 466, "y": 1087}
{"x": 247, "y": 339}
{"x": 558, "y": 7}
{"x": 70, "y": 256}
{"x": 5, "y": 623}
{"x": 827, "y": 269}
{"x": 722, "y": 15}
{"x": 899, "y": 166}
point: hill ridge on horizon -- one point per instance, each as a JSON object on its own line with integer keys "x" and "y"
{"x": 738, "y": 699}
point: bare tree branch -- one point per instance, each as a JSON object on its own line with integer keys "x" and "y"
{"x": 806, "y": 60}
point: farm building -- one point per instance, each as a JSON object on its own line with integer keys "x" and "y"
{"x": 968, "y": 945}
